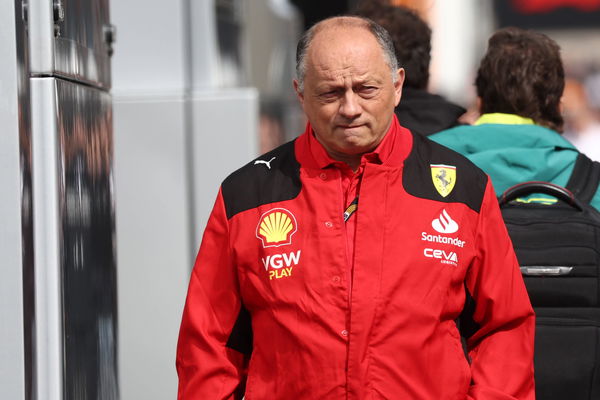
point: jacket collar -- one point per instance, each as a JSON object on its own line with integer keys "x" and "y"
{"x": 503, "y": 119}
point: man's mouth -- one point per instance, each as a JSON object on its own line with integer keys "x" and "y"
{"x": 351, "y": 126}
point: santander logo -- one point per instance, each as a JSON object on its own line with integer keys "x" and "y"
{"x": 444, "y": 224}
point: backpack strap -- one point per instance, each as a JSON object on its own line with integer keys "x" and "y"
{"x": 585, "y": 178}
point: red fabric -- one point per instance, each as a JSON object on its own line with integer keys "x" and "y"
{"x": 351, "y": 180}
{"x": 392, "y": 334}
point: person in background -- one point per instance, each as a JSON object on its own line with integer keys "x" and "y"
{"x": 582, "y": 125}
{"x": 419, "y": 110}
{"x": 517, "y": 138}
{"x": 335, "y": 266}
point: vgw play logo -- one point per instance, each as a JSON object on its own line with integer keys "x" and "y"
{"x": 281, "y": 265}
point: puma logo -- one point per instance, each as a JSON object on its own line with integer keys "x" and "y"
{"x": 267, "y": 163}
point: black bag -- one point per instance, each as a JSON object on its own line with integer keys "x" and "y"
{"x": 558, "y": 248}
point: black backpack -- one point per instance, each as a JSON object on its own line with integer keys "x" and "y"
{"x": 558, "y": 248}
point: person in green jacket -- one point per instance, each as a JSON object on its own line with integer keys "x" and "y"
{"x": 518, "y": 138}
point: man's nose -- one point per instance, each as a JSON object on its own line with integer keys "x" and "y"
{"x": 350, "y": 106}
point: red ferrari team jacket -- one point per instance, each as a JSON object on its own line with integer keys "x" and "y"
{"x": 270, "y": 313}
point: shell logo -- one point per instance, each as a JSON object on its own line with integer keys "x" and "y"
{"x": 276, "y": 227}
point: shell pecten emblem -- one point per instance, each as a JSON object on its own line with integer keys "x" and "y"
{"x": 276, "y": 227}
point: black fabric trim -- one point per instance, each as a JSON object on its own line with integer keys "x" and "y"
{"x": 470, "y": 180}
{"x": 466, "y": 324}
{"x": 256, "y": 184}
{"x": 585, "y": 178}
{"x": 241, "y": 335}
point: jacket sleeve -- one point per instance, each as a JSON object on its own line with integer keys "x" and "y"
{"x": 206, "y": 366}
{"x": 501, "y": 349}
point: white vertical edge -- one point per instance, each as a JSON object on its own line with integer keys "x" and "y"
{"x": 48, "y": 304}
{"x": 41, "y": 36}
{"x": 12, "y": 365}
{"x": 454, "y": 36}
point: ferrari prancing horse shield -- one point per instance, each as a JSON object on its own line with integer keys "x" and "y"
{"x": 444, "y": 178}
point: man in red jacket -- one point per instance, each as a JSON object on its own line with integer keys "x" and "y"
{"x": 335, "y": 266}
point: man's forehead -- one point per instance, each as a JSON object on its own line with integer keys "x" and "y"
{"x": 342, "y": 43}
{"x": 354, "y": 73}
{"x": 341, "y": 35}
{"x": 338, "y": 52}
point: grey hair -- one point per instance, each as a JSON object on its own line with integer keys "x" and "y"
{"x": 381, "y": 35}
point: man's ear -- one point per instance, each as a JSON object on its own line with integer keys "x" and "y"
{"x": 298, "y": 92}
{"x": 561, "y": 106}
{"x": 398, "y": 86}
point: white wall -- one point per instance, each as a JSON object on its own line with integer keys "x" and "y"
{"x": 152, "y": 203}
{"x": 175, "y": 140}
{"x": 153, "y": 250}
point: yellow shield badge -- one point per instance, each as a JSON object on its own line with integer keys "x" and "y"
{"x": 444, "y": 178}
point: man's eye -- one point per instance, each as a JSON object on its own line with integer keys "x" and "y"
{"x": 367, "y": 90}
{"x": 329, "y": 94}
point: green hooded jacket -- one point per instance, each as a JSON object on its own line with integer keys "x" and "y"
{"x": 511, "y": 150}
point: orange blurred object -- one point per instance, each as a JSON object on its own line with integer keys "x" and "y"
{"x": 543, "y": 6}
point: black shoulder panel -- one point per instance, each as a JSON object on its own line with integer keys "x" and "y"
{"x": 469, "y": 187}
{"x": 274, "y": 176}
